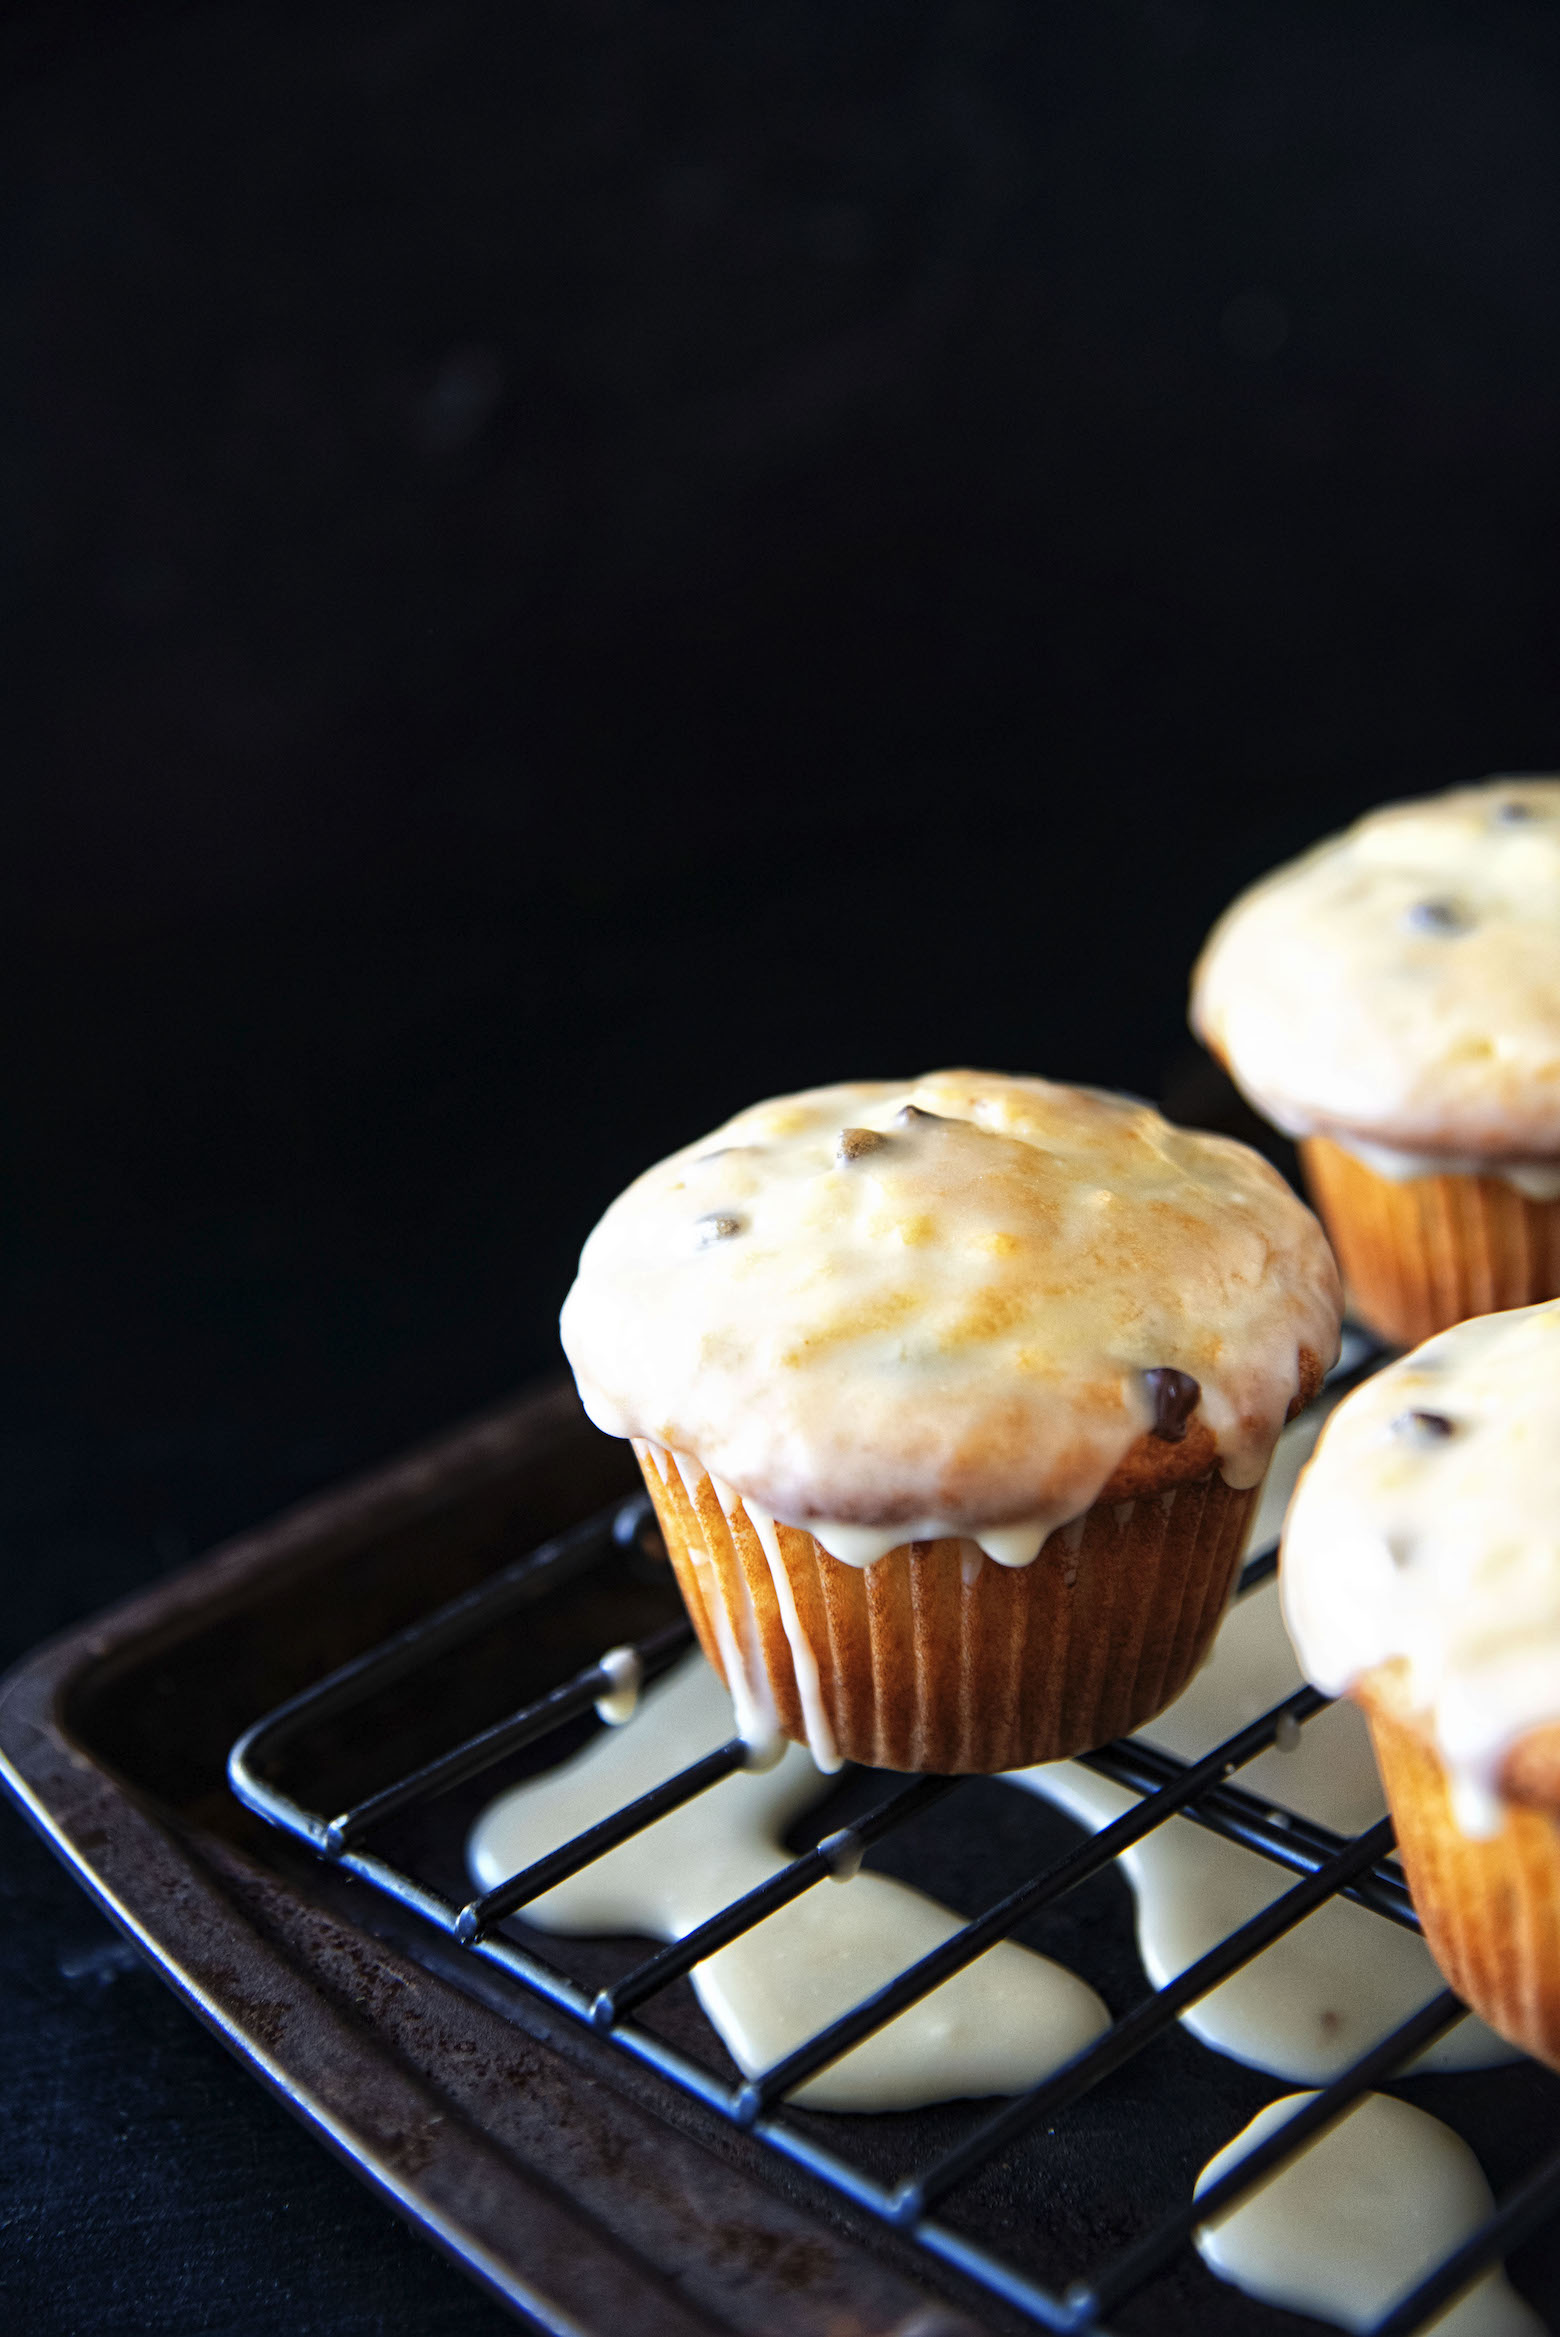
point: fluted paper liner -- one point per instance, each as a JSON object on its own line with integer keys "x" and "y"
{"x": 1419, "y": 1256}
{"x": 1490, "y": 1909}
{"x": 921, "y": 1669}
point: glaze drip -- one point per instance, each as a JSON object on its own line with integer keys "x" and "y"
{"x": 820, "y": 1736}
{"x": 1305, "y": 2008}
{"x": 1535, "y": 1180}
{"x": 952, "y": 1310}
{"x": 1328, "y": 1990}
{"x": 623, "y": 1668}
{"x": 1004, "y": 2023}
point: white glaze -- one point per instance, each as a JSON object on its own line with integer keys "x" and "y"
{"x": 1534, "y": 1180}
{"x": 624, "y": 1670}
{"x": 1342, "y": 1012}
{"x": 1359, "y": 2219}
{"x": 752, "y": 1697}
{"x": 815, "y": 1721}
{"x": 1303, "y": 2009}
{"x": 1003, "y": 2024}
{"x": 741, "y": 1648}
{"x": 1328, "y": 1990}
{"x": 1015, "y": 1545}
{"x": 1444, "y": 1551}
{"x": 946, "y": 1335}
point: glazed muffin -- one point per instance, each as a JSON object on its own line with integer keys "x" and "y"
{"x": 1392, "y": 999}
{"x": 1421, "y": 1576}
{"x": 953, "y": 1399}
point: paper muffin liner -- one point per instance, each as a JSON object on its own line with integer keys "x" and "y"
{"x": 1419, "y": 1256}
{"x": 928, "y": 1660}
{"x": 1490, "y": 1909}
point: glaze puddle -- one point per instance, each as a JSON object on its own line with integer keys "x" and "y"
{"x": 1370, "y": 2205}
{"x": 1358, "y": 2219}
{"x": 1003, "y": 2024}
{"x": 1303, "y": 2010}
{"x": 1341, "y": 1980}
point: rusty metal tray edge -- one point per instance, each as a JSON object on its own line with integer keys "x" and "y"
{"x": 513, "y": 2221}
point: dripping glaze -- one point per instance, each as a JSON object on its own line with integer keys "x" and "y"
{"x": 1302, "y": 2010}
{"x": 961, "y": 1328}
{"x": 1002, "y": 2024}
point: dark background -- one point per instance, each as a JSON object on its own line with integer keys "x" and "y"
{"x": 565, "y": 567}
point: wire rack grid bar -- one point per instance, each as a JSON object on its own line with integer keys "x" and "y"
{"x": 1137, "y": 2265}
{"x": 1269, "y": 1829}
{"x": 479, "y": 1752}
{"x": 838, "y": 1855}
{"x": 523, "y": 1580}
{"x": 1042, "y": 1890}
{"x": 1128, "y": 2036}
{"x": 517, "y": 1889}
{"x": 1518, "y": 2215}
{"x": 1200, "y": 1791}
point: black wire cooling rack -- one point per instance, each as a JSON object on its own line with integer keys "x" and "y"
{"x": 1326, "y": 1865}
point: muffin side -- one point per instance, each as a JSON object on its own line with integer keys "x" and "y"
{"x": 1421, "y": 1575}
{"x": 1490, "y": 1906}
{"x": 1422, "y": 1253}
{"x": 934, "y": 1657}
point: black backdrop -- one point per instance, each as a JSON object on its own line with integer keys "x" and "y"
{"x": 566, "y": 567}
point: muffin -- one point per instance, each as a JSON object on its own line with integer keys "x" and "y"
{"x": 1392, "y": 1000}
{"x": 953, "y": 1400}
{"x": 1421, "y": 1576}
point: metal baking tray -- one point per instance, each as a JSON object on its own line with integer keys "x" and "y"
{"x": 579, "y": 2174}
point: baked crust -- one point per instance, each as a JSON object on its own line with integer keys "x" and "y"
{"x": 1529, "y": 1775}
{"x": 1153, "y": 1466}
{"x": 1490, "y": 1907}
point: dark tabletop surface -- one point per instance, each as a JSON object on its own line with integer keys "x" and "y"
{"x": 568, "y": 567}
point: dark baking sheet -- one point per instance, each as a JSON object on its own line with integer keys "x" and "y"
{"x": 583, "y": 2192}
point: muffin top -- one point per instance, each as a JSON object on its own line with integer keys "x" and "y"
{"x": 1401, "y": 982}
{"x": 966, "y": 1304}
{"x": 1425, "y": 1535}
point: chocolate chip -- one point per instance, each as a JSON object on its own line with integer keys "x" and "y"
{"x": 912, "y": 1115}
{"x": 855, "y": 1141}
{"x": 716, "y": 1228}
{"x": 1424, "y": 1427}
{"x": 1176, "y": 1395}
{"x": 1514, "y": 809}
{"x": 1437, "y": 917}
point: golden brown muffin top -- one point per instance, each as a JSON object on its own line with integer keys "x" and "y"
{"x": 969, "y": 1304}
